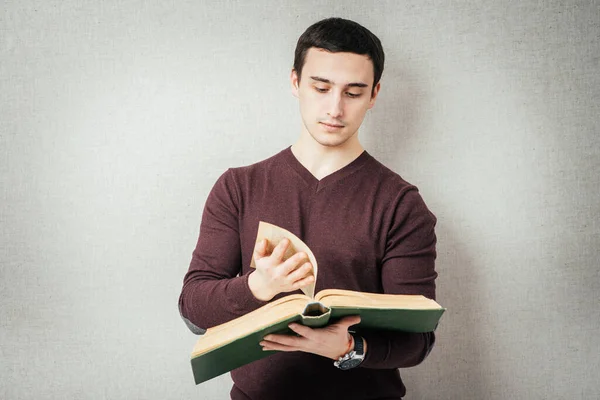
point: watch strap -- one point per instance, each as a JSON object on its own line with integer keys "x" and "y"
{"x": 359, "y": 344}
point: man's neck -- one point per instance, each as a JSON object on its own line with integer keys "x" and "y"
{"x": 324, "y": 160}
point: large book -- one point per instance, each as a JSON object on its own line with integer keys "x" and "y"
{"x": 236, "y": 343}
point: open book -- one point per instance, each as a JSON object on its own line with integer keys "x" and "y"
{"x": 236, "y": 343}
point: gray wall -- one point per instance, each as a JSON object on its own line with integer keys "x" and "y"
{"x": 116, "y": 119}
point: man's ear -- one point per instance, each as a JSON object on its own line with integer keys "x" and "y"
{"x": 374, "y": 95}
{"x": 295, "y": 82}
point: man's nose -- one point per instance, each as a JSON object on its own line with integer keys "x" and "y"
{"x": 335, "y": 106}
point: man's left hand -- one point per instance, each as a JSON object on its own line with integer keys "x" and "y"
{"x": 331, "y": 341}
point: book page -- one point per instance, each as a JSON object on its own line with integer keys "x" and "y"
{"x": 256, "y": 320}
{"x": 350, "y": 298}
{"x": 274, "y": 234}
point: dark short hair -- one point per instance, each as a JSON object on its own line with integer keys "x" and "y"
{"x": 338, "y": 35}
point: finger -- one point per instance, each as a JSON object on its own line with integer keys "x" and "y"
{"x": 260, "y": 250}
{"x": 303, "y": 282}
{"x": 292, "y": 263}
{"x": 348, "y": 321}
{"x": 271, "y": 346}
{"x": 280, "y": 249}
{"x": 302, "y": 272}
{"x": 302, "y": 330}
{"x": 282, "y": 340}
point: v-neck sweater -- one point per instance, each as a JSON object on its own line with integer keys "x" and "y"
{"x": 369, "y": 230}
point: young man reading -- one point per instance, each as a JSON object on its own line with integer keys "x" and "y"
{"x": 369, "y": 229}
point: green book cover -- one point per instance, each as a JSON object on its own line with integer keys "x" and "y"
{"x": 246, "y": 349}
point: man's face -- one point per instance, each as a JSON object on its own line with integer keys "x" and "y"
{"x": 335, "y": 94}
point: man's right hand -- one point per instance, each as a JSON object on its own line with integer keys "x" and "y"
{"x": 273, "y": 275}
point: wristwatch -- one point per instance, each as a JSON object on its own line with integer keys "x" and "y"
{"x": 353, "y": 358}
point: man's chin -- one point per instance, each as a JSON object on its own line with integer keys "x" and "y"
{"x": 330, "y": 140}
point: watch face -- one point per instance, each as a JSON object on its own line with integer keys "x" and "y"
{"x": 348, "y": 364}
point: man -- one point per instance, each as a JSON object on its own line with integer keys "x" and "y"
{"x": 368, "y": 228}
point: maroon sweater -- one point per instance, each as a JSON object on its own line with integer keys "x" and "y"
{"x": 369, "y": 231}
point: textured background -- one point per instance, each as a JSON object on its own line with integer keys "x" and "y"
{"x": 116, "y": 118}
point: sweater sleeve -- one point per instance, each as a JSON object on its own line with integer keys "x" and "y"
{"x": 408, "y": 267}
{"x": 212, "y": 292}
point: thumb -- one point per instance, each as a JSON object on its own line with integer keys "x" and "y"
{"x": 260, "y": 249}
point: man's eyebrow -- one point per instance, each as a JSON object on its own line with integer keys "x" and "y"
{"x": 352, "y": 84}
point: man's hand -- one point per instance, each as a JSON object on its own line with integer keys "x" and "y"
{"x": 332, "y": 341}
{"x": 273, "y": 275}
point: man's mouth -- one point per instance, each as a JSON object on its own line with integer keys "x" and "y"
{"x": 332, "y": 125}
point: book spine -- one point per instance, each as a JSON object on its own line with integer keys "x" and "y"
{"x": 315, "y": 314}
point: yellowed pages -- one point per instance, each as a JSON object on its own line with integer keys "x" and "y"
{"x": 267, "y": 315}
{"x": 348, "y": 298}
{"x": 275, "y": 234}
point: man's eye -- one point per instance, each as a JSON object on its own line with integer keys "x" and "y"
{"x": 353, "y": 95}
{"x": 320, "y": 90}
